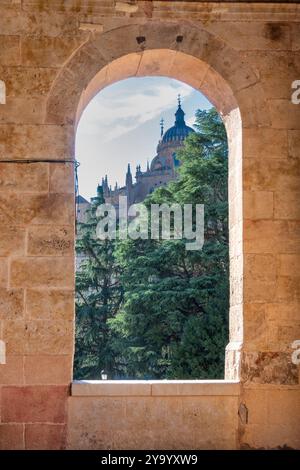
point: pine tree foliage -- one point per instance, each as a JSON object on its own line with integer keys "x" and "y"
{"x": 175, "y": 312}
{"x": 99, "y": 296}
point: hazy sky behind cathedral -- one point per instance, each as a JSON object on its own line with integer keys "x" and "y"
{"x": 121, "y": 125}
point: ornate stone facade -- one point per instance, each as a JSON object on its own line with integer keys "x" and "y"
{"x": 163, "y": 168}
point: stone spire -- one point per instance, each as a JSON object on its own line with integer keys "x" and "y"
{"x": 162, "y": 127}
{"x": 179, "y": 115}
{"x": 128, "y": 177}
{"x": 105, "y": 185}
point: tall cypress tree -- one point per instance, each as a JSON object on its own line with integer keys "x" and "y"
{"x": 99, "y": 295}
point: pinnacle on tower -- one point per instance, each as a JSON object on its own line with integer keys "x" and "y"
{"x": 162, "y": 127}
{"x": 179, "y": 115}
{"x": 128, "y": 176}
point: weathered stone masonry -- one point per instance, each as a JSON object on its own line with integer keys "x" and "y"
{"x": 54, "y": 57}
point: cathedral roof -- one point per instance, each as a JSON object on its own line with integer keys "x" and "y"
{"x": 180, "y": 130}
{"x": 81, "y": 200}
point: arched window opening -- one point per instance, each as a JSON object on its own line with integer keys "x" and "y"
{"x": 149, "y": 307}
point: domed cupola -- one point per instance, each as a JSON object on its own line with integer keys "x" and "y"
{"x": 180, "y": 130}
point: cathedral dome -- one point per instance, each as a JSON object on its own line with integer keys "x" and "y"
{"x": 159, "y": 163}
{"x": 180, "y": 130}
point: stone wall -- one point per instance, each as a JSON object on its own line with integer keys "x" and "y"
{"x": 154, "y": 415}
{"x": 54, "y": 56}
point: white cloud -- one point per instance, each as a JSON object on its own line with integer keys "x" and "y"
{"x": 191, "y": 121}
{"x": 117, "y": 114}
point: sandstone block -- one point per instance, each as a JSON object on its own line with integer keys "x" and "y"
{"x": 42, "y": 272}
{"x": 238, "y": 75}
{"x": 11, "y": 303}
{"x": 112, "y": 46}
{"x": 50, "y": 304}
{"x": 287, "y": 65}
{"x": 286, "y": 335}
{"x": 23, "y": 111}
{"x": 213, "y": 86}
{"x": 268, "y": 367}
{"x": 14, "y": 335}
{"x": 271, "y": 175}
{"x": 294, "y": 143}
{"x": 37, "y": 209}
{"x": 11, "y": 437}
{"x": 256, "y": 402}
{"x": 38, "y": 337}
{"x": 27, "y": 81}
{"x": 258, "y": 205}
{"x": 271, "y": 236}
{"x": 287, "y": 204}
{"x": 50, "y": 240}
{"x": 123, "y": 67}
{"x": 10, "y": 21}
{"x": 254, "y": 106}
{"x": 253, "y": 35}
{"x": 48, "y": 51}
{"x": 257, "y": 290}
{"x": 265, "y": 143}
{"x": 48, "y": 370}
{"x": 282, "y": 313}
{"x": 100, "y": 80}
{"x": 288, "y": 265}
{"x": 11, "y": 373}
{"x": 46, "y": 142}
{"x": 9, "y": 50}
{"x": 270, "y": 436}
{"x": 45, "y": 436}
{"x": 71, "y": 7}
{"x": 295, "y": 36}
{"x": 255, "y": 326}
{"x": 62, "y": 178}
{"x": 12, "y": 240}
{"x": 49, "y": 337}
{"x": 36, "y": 23}
{"x": 29, "y": 177}
{"x": 288, "y": 289}
{"x": 34, "y": 404}
{"x": 260, "y": 267}
{"x": 3, "y": 272}
{"x": 284, "y": 114}
{"x": 156, "y": 62}
{"x": 284, "y": 407}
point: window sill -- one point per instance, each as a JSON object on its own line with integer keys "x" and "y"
{"x": 105, "y": 388}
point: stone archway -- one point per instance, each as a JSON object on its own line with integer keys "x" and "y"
{"x": 205, "y": 62}
{"x": 48, "y": 67}
{"x": 199, "y": 59}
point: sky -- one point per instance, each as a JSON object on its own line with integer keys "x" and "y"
{"x": 121, "y": 125}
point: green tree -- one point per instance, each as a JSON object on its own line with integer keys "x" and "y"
{"x": 174, "y": 321}
{"x": 99, "y": 295}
